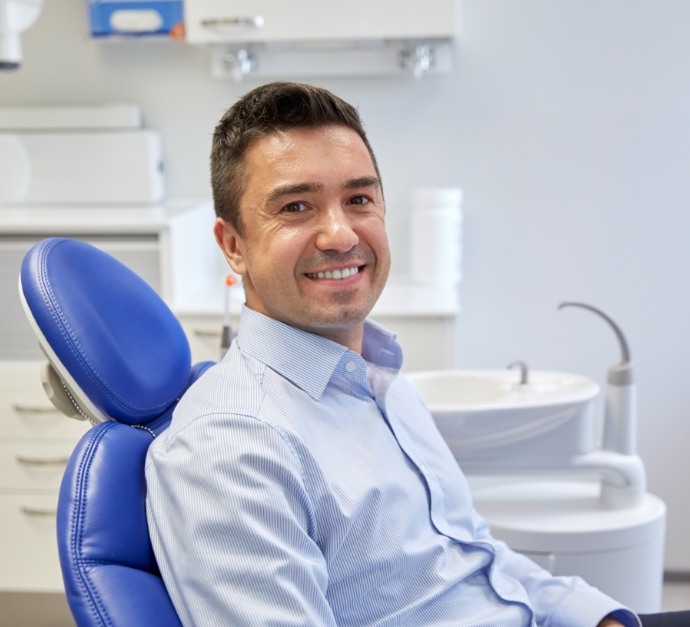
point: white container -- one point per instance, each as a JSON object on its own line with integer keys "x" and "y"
{"x": 564, "y": 527}
{"x": 82, "y": 167}
{"x": 436, "y": 236}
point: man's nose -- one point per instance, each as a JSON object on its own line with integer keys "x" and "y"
{"x": 336, "y": 232}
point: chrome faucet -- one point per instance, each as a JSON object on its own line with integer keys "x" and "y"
{"x": 524, "y": 371}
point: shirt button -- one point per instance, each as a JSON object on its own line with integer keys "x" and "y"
{"x": 350, "y": 366}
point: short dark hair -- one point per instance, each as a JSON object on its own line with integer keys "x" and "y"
{"x": 264, "y": 110}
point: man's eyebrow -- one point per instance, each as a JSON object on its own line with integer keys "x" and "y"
{"x": 290, "y": 190}
{"x": 363, "y": 181}
{"x": 303, "y": 188}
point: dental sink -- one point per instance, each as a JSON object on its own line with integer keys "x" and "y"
{"x": 554, "y": 478}
{"x": 481, "y": 389}
{"x": 542, "y": 423}
{"x": 489, "y": 415}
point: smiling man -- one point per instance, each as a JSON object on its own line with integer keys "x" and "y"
{"x": 310, "y": 239}
{"x": 302, "y": 481}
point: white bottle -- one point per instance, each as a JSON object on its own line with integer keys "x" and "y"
{"x": 436, "y": 236}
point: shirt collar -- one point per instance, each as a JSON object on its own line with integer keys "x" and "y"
{"x": 306, "y": 359}
{"x": 380, "y": 347}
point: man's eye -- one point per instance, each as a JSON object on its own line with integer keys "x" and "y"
{"x": 359, "y": 200}
{"x": 294, "y": 207}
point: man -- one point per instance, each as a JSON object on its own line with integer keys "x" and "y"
{"x": 302, "y": 482}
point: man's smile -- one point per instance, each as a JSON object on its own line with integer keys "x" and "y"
{"x": 337, "y": 274}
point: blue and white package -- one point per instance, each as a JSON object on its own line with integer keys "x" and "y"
{"x": 136, "y": 18}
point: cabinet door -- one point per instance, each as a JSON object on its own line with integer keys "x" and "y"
{"x": 26, "y": 412}
{"x": 27, "y": 466}
{"x": 428, "y": 343}
{"x": 208, "y": 21}
{"x": 28, "y": 549}
{"x": 204, "y": 335}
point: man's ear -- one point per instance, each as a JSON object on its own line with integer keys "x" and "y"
{"x": 231, "y": 244}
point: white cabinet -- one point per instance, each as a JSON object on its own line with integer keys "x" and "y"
{"x": 35, "y": 444}
{"x": 172, "y": 247}
{"x": 169, "y": 246}
{"x": 246, "y": 21}
{"x": 269, "y": 38}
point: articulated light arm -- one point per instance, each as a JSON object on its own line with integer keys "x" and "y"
{"x": 15, "y": 17}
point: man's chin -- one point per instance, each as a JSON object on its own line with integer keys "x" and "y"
{"x": 334, "y": 320}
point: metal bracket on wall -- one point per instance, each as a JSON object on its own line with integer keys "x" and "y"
{"x": 387, "y": 58}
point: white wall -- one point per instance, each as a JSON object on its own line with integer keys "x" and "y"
{"x": 566, "y": 122}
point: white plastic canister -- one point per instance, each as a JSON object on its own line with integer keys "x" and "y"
{"x": 436, "y": 236}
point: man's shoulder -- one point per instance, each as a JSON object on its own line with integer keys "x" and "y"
{"x": 231, "y": 387}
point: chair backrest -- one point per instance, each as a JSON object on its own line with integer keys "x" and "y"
{"x": 118, "y": 357}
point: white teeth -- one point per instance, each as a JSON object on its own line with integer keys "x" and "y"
{"x": 335, "y": 274}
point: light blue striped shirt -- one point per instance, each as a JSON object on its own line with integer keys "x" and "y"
{"x": 303, "y": 484}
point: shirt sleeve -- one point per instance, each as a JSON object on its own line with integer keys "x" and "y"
{"x": 232, "y": 527}
{"x": 555, "y": 600}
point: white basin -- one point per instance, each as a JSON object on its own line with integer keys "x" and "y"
{"x": 486, "y": 414}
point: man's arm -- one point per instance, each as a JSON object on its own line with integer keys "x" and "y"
{"x": 558, "y": 601}
{"x": 230, "y": 525}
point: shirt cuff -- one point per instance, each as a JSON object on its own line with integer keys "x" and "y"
{"x": 626, "y": 617}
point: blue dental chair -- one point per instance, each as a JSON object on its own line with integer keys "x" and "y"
{"x": 119, "y": 358}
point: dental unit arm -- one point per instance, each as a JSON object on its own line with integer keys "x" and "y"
{"x": 620, "y": 414}
{"x": 562, "y": 445}
{"x": 623, "y": 474}
{"x": 15, "y": 17}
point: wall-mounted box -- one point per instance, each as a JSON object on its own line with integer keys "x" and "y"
{"x": 80, "y": 167}
{"x": 323, "y": 37}
{"x": 317, "y": 21}
{"x": 136, "y": 18}
{"x": 76, "y": 155}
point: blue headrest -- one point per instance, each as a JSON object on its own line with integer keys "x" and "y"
{"x": 105, "y": 331}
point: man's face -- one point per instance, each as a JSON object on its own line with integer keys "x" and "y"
{"x": 314, "y": 253}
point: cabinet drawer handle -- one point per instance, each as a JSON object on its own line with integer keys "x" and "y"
{"x": 42, "y": 461}
{"x": 207, "y": 333}
{"x": 38, "y": 511}
{"x": 33, "y": 409}
{"x": 254, "y": 21}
